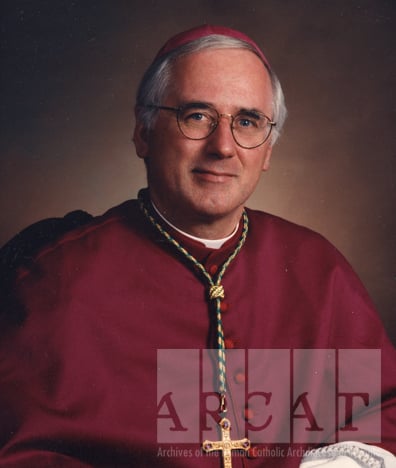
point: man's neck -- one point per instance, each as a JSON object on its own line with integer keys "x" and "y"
{"x": 202, "y": 227}
{"x": 210, "y": 243}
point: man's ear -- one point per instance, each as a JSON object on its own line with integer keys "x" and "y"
{"x": 267, "y": 158}
{"x": 140, "y": 138}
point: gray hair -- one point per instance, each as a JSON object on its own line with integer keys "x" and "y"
{"x": 155, "y": 82}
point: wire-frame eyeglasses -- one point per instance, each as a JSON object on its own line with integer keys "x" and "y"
{"x": 197, "y": 121}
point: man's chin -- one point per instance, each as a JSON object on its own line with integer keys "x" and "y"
{"x": 212, "y": 212}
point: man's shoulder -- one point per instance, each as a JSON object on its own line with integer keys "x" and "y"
{"x": 50, "y": 233}
{"x": 55, "y": 247}
{"x": 262, "y": 221}
{"x": 272, "y": 233}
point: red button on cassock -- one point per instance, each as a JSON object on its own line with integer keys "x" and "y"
{"x": 249, "y": 414}
{"x": 253, "y": 452}
{"x": 229, "y": 344}
{"x": 240, "y": 377}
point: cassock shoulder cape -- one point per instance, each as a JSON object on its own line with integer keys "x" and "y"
{"x": 100, "y": 339}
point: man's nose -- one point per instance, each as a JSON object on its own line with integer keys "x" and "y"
{"x": 221, "y": 142}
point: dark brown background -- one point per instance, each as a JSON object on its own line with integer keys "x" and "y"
{"x": 68, "y": 79}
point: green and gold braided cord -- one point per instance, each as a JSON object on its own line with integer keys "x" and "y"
{"x": 216, "y": 290}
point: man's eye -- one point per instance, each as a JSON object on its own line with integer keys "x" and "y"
{"x": 246, "y": 122}
{"x": 196, "y": 117}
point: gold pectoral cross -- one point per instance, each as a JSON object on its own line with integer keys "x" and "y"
{"x": 226, "y": 445}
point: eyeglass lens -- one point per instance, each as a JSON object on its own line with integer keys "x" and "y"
{"x": 249, "y": 128}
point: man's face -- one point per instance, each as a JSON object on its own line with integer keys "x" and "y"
{"x": 206, "y": 182}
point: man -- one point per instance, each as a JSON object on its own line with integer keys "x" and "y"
{"x": 182, "y": 329}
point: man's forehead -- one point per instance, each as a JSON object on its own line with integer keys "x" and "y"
{"x": 234, "y": 78}
{"x": 205, "y": 31}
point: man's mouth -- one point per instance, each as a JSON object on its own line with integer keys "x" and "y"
{"x": 211, "y": 175}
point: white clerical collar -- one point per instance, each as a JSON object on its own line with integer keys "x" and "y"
{"x": 210, "y": 243}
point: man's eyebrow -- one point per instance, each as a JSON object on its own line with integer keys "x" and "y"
{"x": 198, "y": 105}
{"x": 252, "y": 112}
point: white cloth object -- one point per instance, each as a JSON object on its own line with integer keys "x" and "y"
{"x": 348, "y": 455}
{"x": 210, "y": 243}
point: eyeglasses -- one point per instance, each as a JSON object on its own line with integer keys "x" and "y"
{"x": 196, "y": 121}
